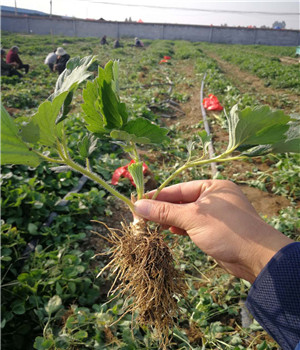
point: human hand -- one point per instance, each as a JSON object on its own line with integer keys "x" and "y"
{"x": 220, "y": 220}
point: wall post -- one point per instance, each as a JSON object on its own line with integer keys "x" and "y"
{"x": 255, "y": 37}
{"x": 211, "y": 34}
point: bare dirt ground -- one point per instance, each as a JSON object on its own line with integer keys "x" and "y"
{"x": 289, "y": 60}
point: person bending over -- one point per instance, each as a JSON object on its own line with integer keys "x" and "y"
{"x": 220, "y": 220}
{"x": 62, "y": 59}
{"x": 13, "y": 58}
{"x": 8, "y": 69}
{"x": 50, "y": 60}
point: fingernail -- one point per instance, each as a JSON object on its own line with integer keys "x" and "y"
{"x": 142, "y": 207}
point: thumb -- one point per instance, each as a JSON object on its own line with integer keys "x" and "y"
{"x": 164, "y": 213}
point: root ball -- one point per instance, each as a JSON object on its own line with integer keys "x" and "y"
{"x": 145, "y": 272}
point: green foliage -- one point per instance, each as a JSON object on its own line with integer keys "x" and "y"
{"x": 102, "y": 117}
{"x": 141, "y": 130}
{"x": 13, "y": 150}
{"x": 87, "y": 146}
{"x": 42, "y": 128}
{"x": 136, "y": 171}
{"x": 258, "y": 126}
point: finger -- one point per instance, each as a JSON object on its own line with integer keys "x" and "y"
{"x": 178, "y": 231}
{"x": 173, "y": 229}
{"x": 178, "y": 215}
{"x": 186, "y": 192}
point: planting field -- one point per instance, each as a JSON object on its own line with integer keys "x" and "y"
{"x": 52, "y": 296}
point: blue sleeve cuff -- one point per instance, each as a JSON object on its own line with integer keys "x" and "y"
{"x": 274, "y": 298}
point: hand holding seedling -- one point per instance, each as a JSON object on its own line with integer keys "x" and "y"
{"x": 220, "y": 221}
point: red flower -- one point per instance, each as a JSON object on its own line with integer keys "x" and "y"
{"x": 167, "y": 57}
{"x": 123, "y": 172}
{"x": 211, "y": 103}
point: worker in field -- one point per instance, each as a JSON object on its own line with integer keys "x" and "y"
{"x": 51, "y": 59}
{"x": 103, "y": 40}
{"x": 117, "y": 44}
{"x": 61, "y": 61}
{"x": 138, "y": 42}
{"x": 14, "y": 59}
{"x": 8, "y": 69}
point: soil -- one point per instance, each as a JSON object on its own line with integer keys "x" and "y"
{"x": 289, "y": 60}
{"x": 13, "y": 111}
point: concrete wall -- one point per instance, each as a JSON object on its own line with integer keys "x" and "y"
{"x": 85, "y": 28}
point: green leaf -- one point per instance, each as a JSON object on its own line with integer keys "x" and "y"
{"x": 18, "y": 307}
{"x": 102, "y": 107}
{"x": 38, "y": 343}
{"x": 108, "y": 72}
{"x": 205, "y": 140}
{"x": 58, "y": 288}
{"x": 53, "y": 304}
{"x": 290, "y": 144}
{"x": 110, "y": 107}
{"x": 87, "y": 146}
{"x": 65, "y": 108}
{"x": 125, "y": 136}
{"x": 32, "y": 229}
{"x": 115, "y": 83}
{"x": 257, "y": 126}
{"x": 136, "y": 171}
{"x": 43, "y": 343}
{"x": 292, "y": 141}
{"x": 93, "y": 116}
{"x": 142, "y": 127}
{"x": 75, "y": 73}
{"x": 13, "y": 149}
{"x": 80, "y": 335}
{"x": 42, "y": 128}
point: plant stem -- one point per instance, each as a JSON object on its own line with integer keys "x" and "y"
{"x": 192, "y": 164}
{"x": 169, "y": 179}
{"x": 96, "y": 178}
{"x": 135, "y": 152}
{"x": 49, "y": 159}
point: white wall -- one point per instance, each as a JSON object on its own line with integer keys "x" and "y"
{"x": 84, "y": 28}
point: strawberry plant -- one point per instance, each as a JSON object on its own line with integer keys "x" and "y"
{"x": 141, "y": 258}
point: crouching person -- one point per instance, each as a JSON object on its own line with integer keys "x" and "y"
{"x": 8, "y": 69}
{"x": 14, "y": 59}
{"x": 62, "y": 59}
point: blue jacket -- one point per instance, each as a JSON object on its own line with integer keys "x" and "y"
{"x": 274, "y": 298}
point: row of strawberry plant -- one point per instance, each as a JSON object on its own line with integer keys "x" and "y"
{"x": 271, "y": 70}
